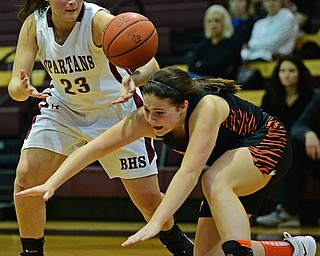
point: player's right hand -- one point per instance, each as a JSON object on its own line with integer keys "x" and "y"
{"x": 42, "y": 190}
{"x": 127, "y": 89}
{"x": 28, "y": 88}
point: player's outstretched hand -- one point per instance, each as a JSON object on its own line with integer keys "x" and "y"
{"x": 151, "y": 229}
{"x": 127, "y": 89}
{"x": 42, "y": 190}
{"x": 28, "y": 88}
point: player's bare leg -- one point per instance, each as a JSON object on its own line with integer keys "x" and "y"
{"x": 35, "y": 167}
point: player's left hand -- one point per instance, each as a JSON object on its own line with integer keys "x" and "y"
{"x": 127, "y": 89}
{"x": 151, "y": 229}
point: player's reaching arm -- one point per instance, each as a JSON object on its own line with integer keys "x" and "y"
{"x": 20, "y": 87}
{"x": 204, "y": 127}
{"x": 137, "y": 78}
{"x": 131, "y": 128}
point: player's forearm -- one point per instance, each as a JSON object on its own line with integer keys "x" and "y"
{"x": 75, "y": 163}
{"x": 178, "y": 191}
{"x": 141, "y": 75}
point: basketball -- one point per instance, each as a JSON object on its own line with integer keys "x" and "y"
{"x": 130, "y": 40}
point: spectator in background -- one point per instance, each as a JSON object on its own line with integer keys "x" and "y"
{"x": 217, "y": 54}
{"x": 272, "y": 36}
{"x": 306, "y": 130}
{"x": 288, "y": 94}
{"x": 243, "y": 19}
{"x": 305, "y": 133}
{"x": 259, "y": 11}
{"x": 304, "y": 12}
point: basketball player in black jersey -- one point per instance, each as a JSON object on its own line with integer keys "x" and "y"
{"x": 246, "y": 150}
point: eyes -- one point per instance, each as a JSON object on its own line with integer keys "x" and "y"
{"x": 287, "y": 71}
{"x": 157, "y": 112}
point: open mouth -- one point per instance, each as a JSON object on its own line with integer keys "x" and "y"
{"x": 157, "y": 128}
{"x": 70, "y": 11}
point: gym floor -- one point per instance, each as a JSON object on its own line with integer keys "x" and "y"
{"x": 85, "y": 238}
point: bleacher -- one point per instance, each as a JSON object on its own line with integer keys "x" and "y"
{"x": 179, "y": 24}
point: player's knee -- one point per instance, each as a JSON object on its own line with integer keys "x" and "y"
{"x": 24, "y": 179}
{"x": 213, "y": 186}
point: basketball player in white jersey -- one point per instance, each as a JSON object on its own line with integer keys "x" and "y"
{"x": 75, "y": 108}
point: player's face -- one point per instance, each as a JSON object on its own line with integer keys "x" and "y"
{"x": 288, "y": 74}
{"x": 162, "y": 115}
{"x": 65, "y": 10}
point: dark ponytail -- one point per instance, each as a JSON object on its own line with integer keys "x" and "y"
{"x": 220, "y": 84}
{"x": 175, "y": 84}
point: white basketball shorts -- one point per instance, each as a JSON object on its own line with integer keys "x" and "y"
{"x": 59, "y": 129}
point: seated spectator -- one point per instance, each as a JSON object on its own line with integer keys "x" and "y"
{"x": 272, "y": 36}
{"x": 304, "y": 13}
{"x": 217, "y": 54}
{"x": 258, "y": 8}
{"x": 306, "y": 130}
{"x": 305, "y": 134}
{"x": 242, "y": 20}
{"x": 289, "y": 92}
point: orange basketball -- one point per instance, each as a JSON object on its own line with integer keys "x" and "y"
{"x": 130, "y": 40}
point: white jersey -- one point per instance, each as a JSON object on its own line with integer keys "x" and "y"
{"x": 78, "y": 107}
{"x": 82, "y": 77}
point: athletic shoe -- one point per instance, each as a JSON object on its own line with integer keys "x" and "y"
{"x": 278, "y": 218}
{"x": 178, "y": 244}
{"x": 302, "y": 245}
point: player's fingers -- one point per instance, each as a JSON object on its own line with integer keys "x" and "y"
{"x": 130, "y": 241}
{"x": 47, "y": 195}
{"x": 25, "y": 82}
{"x": 121, "y": 99}
{"x": 141, "y": 235}
{"x": 27, "y": 192}
{"x": 39, "y": 95}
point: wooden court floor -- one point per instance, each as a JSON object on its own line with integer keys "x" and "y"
{"x": 86, "y": 238}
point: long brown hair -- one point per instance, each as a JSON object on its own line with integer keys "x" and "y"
{"x": 277, "y": 90}
{"x": 175, "y": 84}
{"x": 30, "y": 6}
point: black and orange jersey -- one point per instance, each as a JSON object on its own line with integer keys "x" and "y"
{"x": 246, "y": 126}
